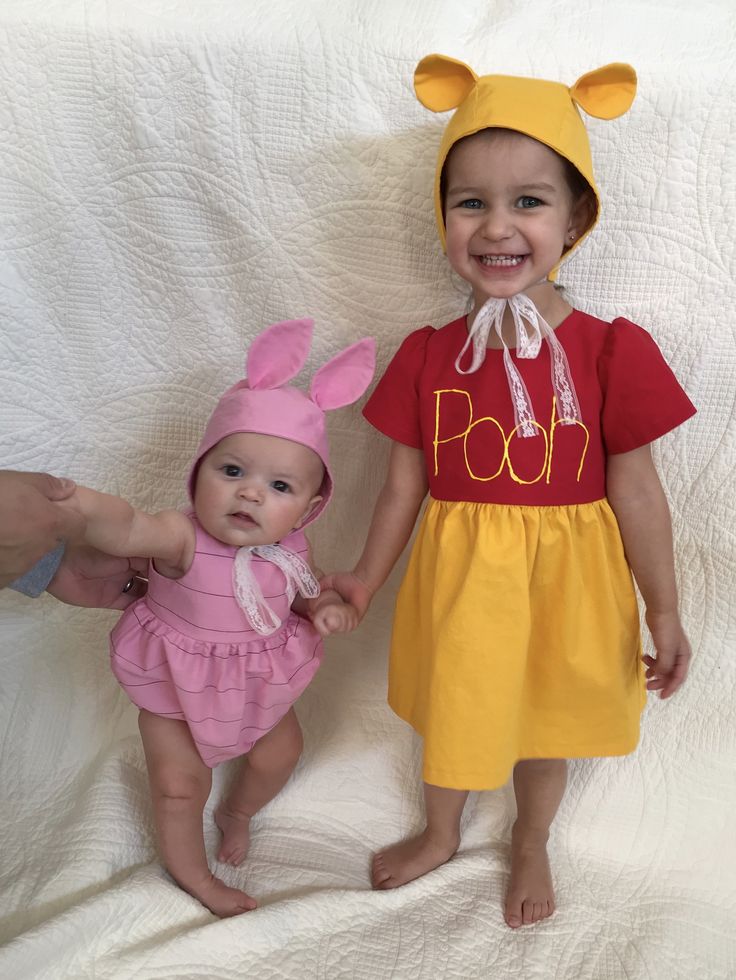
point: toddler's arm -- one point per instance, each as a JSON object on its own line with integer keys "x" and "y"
{"x": 640, "y": 506}
{"x": 393, "y": 521}
{"x": 112, "y": 525}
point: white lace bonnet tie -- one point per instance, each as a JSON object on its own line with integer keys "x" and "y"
{"x": 528, "y": 344}
{"x": 298, "y": 575}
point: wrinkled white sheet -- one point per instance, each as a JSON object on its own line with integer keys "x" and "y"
{"x": 176, "y": 174}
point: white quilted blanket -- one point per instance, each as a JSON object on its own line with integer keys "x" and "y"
{"x": 176, "y": 174}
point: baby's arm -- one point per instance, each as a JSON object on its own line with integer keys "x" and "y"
{"x": 328, "y": 612}
{"x": 640, "y": 506}
{"x": 112, "y": 525}
{"x": 393, "y": 521}
{"x": 331, "y": 614}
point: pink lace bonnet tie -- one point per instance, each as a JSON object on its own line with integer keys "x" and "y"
{"x": 531, "y": 328}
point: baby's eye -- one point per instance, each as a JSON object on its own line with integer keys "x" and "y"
{"x": 471, "y": 203}
{"x": 230, "y": 469}
{"x": 527, "y": 202}
{"x": 281, "y": 486}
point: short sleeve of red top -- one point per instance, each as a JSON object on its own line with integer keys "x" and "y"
{"x": 465, "y": 423}
{"x": 642, "y": 398}
{"x": 393, "y": 408}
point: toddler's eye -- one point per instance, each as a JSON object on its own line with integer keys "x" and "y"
{"x": 229, "y": 469}
{"x": 281, "y": 486}
{"x": 529, "y": 202}
{"x": 471, "y": 203}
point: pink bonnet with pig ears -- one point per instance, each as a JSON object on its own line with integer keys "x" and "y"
{"x": 264, "y": 403}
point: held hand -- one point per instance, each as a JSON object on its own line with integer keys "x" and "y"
{"x": 87, "y": 577}
{"x": 30, "y": 522}
{"x": 350, "y": 588}
{"x": 668, "y": 671}
{"x": 335, "y": 617}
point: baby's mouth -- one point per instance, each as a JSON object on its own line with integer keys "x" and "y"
{"x": 243, "y": 518}
{"x": 500, "y": 261}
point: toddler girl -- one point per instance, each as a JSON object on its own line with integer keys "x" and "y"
{"x": 516, "y": 637}
{"x": 218, "y": 651}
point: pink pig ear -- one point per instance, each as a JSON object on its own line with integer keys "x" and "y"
{"x": 343, "y": 380}
{"x": 279, "y": 353}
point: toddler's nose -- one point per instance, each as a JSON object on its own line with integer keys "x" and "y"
{"x": 497, "y": 225}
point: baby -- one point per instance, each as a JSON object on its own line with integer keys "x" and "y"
{"x": 220, "y": 648}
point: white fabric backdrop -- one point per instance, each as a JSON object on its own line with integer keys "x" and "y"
{"x": 174, "y": 175}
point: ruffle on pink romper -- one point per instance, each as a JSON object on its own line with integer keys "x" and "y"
{"x": 187, "y": 651}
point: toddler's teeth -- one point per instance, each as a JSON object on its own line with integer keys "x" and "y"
{"x": 502, "y": 260}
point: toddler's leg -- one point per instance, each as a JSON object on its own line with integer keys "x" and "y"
{"x": 180, "y": 784}
{"x": 436, "y": 844}
{"x": 539, "y": 785}
{"x": 265, "y": 771}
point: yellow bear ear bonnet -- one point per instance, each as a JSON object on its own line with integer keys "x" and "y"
{"x": 546, "y": 111}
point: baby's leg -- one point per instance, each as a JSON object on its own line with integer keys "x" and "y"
{"x": 265, "y": 771}
{"x": 180, "y": 784}
{"x": 539, "y": 785}
{"x": 436, "y": 844}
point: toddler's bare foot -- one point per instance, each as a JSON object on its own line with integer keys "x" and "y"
{"x": 219, "y": 898}
{"x": 531, "y": 896}
{"x": 410, "y": 859}
{"x": 235, "y": 827}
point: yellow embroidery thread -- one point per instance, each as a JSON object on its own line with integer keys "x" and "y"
{"x": 553, "y": 423}
{"x": 546, "y": 469}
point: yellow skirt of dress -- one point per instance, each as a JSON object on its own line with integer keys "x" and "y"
{"x": 516, "y": 636}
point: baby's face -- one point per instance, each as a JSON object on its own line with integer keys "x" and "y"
{"x": 253, "y": 489}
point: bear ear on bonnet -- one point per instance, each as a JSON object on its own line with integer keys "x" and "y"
{"x": 442, "y": 83}
{"x": 606, "y": 92}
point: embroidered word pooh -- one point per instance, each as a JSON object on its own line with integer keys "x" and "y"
{"x": 474, "y": 460}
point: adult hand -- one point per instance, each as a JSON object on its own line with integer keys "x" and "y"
{"x": 30, "y": 522}
{"x": 87, "y": 577}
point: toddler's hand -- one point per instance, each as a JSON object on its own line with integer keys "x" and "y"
{"x": 667, "y": 672}
{"x": 335, "y": 617}
{"x": 349, "y": 588}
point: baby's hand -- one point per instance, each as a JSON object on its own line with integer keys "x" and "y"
{"x": 667, "y": 672}
{"x": 330, "y": 614}
{"x": 350, "y": 588}
{"x": 335, "y": 617}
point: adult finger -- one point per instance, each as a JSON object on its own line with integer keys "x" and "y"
{"x": 52, "y": 487}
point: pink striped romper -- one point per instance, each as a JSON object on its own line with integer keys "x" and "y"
{"x": 186, "y": 650}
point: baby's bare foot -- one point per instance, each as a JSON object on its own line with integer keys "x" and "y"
{"x": 410, "y": 859}
{"x": 219, "y": 898}
{"x": 530, "y": 896}
{"x": 235, "y": 827}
